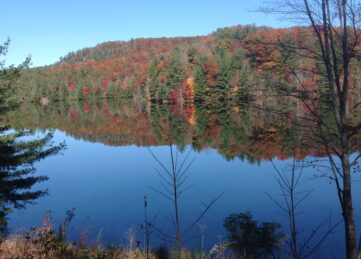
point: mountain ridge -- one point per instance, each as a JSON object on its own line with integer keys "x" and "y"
{"x": 70, "y": 58}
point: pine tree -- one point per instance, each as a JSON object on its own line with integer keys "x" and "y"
{"x": 224, "y": 75}
{"x": 80, "y": 93}
{"x": 64, "y": 91}
{"x": 152, "y": 81}
{"x": 8, "y": 78}
{"x": 174, "y": 70}
{"x": 200, "y": 83}
{"x": 111, "y": 91}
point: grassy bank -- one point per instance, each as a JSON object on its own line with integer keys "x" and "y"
{"x": 48, "y": 243}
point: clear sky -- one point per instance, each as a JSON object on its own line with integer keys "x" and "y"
{"x": 49, "y": 29}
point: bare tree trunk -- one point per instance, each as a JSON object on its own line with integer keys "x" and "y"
{"x": 348, "y": 214}
{"x": 178, "y": 232}
{"x": 178, "y": 235}
{"x": 293, "y": 215}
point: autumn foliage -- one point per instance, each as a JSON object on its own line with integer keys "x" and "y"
{"x": 217, "y": 66}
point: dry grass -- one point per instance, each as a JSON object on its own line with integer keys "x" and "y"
{"x": 21, "y": 247}
{"x": 44, "y": 243}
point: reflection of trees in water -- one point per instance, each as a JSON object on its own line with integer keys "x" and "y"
{"x": 307, "y": 241}
{"x": 242, "y": 131}
{"x": 245, "y": 131}
{"x": 19, "y": 150}
{"x": 247, "y": 238}
{"x": 173, "y": 185}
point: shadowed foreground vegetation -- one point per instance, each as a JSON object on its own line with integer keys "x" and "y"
{"x": 246, "y": 239}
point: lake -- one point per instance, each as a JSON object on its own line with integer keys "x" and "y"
{"x": 114, "y": 158}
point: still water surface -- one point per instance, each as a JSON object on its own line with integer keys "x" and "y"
{"x": 106, "y": 185}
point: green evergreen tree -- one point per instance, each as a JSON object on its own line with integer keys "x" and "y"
{"x": 111, "y": 91}
{"x": 162, "y": 92}
{"x": 174, "y": 70}
{"x": 200, "y": 83}
{"x": 224, "y": 75}
{"x": 64, "y": 91}
{"x": 152, "y": 81}
{"x": 80, "y": 93}
{"x": 8, "y": 77}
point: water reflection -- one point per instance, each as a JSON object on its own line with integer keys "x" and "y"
{"x": 242, "y": 131}
{"x": 173, "y": 185}
{"x": 305, "y": 241}
{"x": 108, "y": 184}
{"x": 19, "y": 150}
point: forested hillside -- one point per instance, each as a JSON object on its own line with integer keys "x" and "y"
{"x": 230, "y": 64}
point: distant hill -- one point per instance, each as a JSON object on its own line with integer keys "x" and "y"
{"x": 146, "y": 48}
{"x": 150, "y": 47}
{"x": 229, "y": 64}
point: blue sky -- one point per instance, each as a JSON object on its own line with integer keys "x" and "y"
{"x": 49, "y": 29}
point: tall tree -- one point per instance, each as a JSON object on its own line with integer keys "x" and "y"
{"x": 224, "y": 75}
{"x": 152, "y": 82}
{"x": 8, "y": 76}
{"x": 200, "y": 83}
{"x": 174, "y": 71}
{"x": 335, "y": 29}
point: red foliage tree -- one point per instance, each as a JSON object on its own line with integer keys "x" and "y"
{"x": 87, "y": 107}
{"x": 73, "y": 113}
{"x": 86, "y": 90}
{"x": 70, "y": 84}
